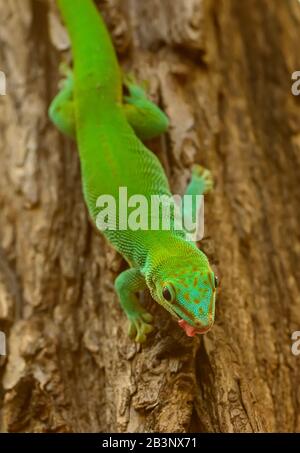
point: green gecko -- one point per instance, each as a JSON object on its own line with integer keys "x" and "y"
{"x": 108, "y": 128}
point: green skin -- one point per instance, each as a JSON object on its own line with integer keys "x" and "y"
{"x": 108, "y": 130}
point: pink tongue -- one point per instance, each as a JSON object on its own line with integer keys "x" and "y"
{"x": 189, "y": 330}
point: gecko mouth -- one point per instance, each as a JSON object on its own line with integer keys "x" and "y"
{"x": 190, "y": 330}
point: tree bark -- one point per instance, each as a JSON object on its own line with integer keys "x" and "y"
{"x": 221, "y": 69}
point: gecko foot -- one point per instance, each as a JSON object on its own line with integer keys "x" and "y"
{"x": 64, "y": 69}
{"x": 66, "y": 75}
{"x": 140, "y": 326}
{"x": 204, "y": 177}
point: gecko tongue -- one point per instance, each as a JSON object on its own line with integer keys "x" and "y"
{"x": 190, "y": 330}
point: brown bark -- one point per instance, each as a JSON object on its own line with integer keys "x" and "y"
{"x": 222, "y": 71}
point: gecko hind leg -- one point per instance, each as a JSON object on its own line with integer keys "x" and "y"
{"x": 201, "y": 183}
{"x": 145, "y": 117}
{"x": 61, "y": 110}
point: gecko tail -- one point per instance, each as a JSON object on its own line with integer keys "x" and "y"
{"x": 92, "y": 48}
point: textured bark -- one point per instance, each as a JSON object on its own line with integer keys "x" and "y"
{"x": 222, "y": 71}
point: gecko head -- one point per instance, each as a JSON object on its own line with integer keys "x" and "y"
{"x": 186, "y": 287}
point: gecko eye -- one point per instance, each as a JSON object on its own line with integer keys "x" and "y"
{"x": 168, "y": 293}
{"x": 216, "y": 282}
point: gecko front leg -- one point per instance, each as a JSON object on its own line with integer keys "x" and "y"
{"x": 201, "y": 183}
{"x": 127, "y": 284}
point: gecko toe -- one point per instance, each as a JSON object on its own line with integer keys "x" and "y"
{"x": 147, "y": 317}
{"x": 132, "y": 332}
{"x": 140, "y": 326}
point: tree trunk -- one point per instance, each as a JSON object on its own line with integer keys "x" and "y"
{"x": 221, "y": 69}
